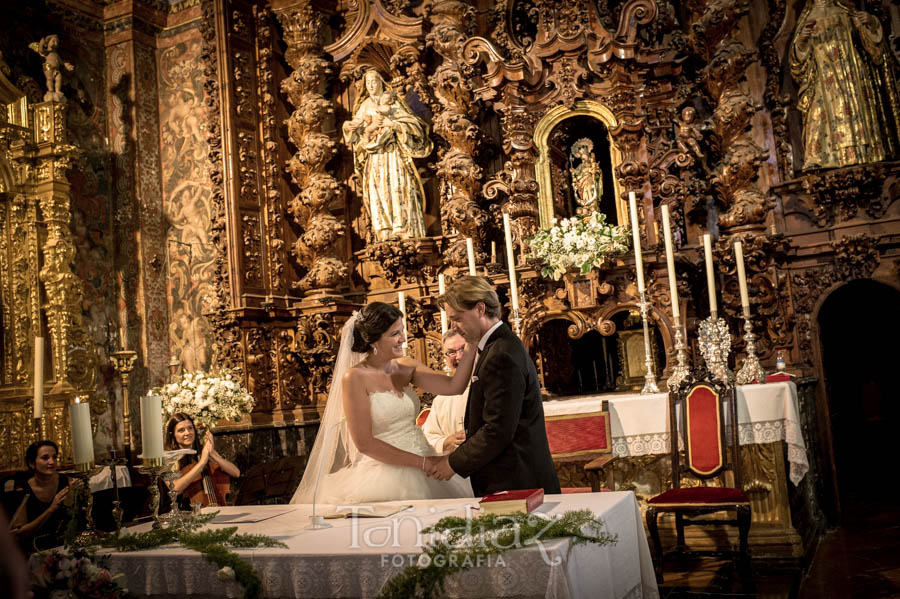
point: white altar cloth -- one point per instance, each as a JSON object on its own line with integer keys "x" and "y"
{"x": 356, "y": 557}
{"x": 640, "y": 423}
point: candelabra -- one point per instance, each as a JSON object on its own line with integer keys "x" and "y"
{"x": 123, "y": 361}
{"x": 650, "y": 377}
{"x": 715, "y": 345}
{"x": 516, "y": 322}
{"x": 154, "y": 467}
{"x": 752, "y": 370}
{"x": 681, "y": 370}
{"x": 114, "y": 462}
{"x": 84, "y": 473}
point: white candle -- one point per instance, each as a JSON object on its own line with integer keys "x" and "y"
{"x": 670, "y": 261}
{"x": 441, "y": 291}
{"x": 38, "y": 377}
{"x": 82, "y": 440}
{"x": 710, "y": 276}
{"x": 636, "y": 236}
{"x": 493, "y": 252}
{"x": 151, "y": 427}
{"x": 742, "y": 278}
{"x": 401, "y": 302}
{"x": 511, "y": 264}
{"x": 470, "y": 252}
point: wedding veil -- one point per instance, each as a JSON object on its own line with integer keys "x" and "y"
{"x": 333, "y": 449}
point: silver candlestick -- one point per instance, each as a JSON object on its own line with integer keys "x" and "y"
{"x": 650, "y": 377}
{"x": 752, "y": 370}
{"x": 154, "y": 467}
{"x": 681, "y": 370}
{"x": 715, "y": 346}
{"x": 516, "y": 322}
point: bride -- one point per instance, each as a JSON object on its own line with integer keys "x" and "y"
{"x": 377, "y": 452}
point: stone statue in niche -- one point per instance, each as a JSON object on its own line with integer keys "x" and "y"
{"x": 385, "y": 136}
{"x": 587, "y": 177}
{"x": 847, "y": 86}
{"x": 53, "y": 65}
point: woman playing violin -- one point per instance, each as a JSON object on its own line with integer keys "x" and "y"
{"x": 206, "y": 463}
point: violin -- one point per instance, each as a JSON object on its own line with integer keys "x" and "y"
{"x": 211, "y": 488}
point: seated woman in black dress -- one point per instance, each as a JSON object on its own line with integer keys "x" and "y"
{"x": 182, "y": 434}
{"x": 40, "y": 523}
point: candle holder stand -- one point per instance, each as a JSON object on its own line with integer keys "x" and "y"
{"x": 84, "y": 473}
{"x": 516, "y": 322}
{"x": 714, "y": 342}
{"x": 114, "y": 462}
{"x": 752, "y": 370}
{"x": 650, "y": 385}
{"x": 175, "y": 516}
{"x": 123, "y": 361}
{"x": 154, "y": 467}
{"x": 681, "y": 370}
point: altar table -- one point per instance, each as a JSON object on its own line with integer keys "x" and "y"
{"x": 356, "y": 557}
{"x": 640, "y": 423}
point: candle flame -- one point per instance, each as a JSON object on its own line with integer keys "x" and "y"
{"x": 77, "y": 399}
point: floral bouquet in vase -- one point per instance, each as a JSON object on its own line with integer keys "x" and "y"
{"x": 581, "y": 242}
{"x": 207, "y": 398}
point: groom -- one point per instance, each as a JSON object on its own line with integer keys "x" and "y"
{"x": 506, "y": 442}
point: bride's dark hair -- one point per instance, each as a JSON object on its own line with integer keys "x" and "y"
{"x": 374, "y": 319}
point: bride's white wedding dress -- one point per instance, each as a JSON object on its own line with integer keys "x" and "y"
{"x": 368, "y": 480}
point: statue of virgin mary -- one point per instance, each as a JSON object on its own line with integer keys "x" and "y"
{"x": 385, "y": 136}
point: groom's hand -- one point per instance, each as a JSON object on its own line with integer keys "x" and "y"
{"x": 442, "y": 470}
{"x": 430, "y": 465}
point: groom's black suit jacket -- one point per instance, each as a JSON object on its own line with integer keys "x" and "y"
{"x": 506, "y": 442}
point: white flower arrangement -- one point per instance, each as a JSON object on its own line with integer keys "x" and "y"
{"x": 581, "y": 242}
{"x": 207, "y": 398}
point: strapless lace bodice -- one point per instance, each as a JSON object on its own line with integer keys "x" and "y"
{"x": 394, "y": 420}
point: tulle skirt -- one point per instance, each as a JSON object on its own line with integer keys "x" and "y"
{"x": 369, "y": 481}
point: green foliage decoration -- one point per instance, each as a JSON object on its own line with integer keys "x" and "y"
{"x": 461, "y": 543}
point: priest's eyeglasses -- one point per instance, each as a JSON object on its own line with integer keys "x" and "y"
{"x": 452, "y": 352}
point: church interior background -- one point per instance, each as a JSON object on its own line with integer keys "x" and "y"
{"x": 190, "y": 186}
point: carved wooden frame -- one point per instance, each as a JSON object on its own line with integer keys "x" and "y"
{"x": 542, "y": 171}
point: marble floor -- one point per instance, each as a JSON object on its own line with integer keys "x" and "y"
{"x": 858, "y": 559}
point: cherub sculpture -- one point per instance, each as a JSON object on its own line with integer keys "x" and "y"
{"x": 687, "y": 136}
{"x": 53, "y": 65}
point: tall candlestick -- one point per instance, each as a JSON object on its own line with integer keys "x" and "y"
{"x": 710, "y": 277}
{"x": 636, "y": 236}
{"x": 82, "y": 440}
{"x": 493, "y": 252}
{"x": 470, "y": 252}
{"x": 742, "y": 278}
{"x": 442, "y": 290}
{"x": 38, "y": 377}
{"x": 511, "y": 264}
{"x": 670, "y": 262}
{"x": 151, "y": 427}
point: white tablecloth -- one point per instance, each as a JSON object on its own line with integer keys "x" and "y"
{"x": 640, "y": 423}
{"x": 356, "y": 557}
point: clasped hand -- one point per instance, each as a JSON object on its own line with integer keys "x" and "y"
{"x": 438, "y": 467}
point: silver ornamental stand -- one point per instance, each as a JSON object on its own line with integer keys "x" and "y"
{"x": 681, "y": 370}
{"x": 752, "y": 370}
{"x": 715, "y": 346}
{"x": 516, "y": 322}
{"x": 650, "y": 377}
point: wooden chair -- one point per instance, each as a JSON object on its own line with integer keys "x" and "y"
{"x": 702, "y": 402}
{"x": 583, "y": 438}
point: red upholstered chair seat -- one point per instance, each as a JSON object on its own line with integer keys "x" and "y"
{"x": 700, "y": 496}
{"x": 422, "y": 417}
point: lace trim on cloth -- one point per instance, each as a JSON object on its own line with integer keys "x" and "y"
{"x": 753, "y": 433}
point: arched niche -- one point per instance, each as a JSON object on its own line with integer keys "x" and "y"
{"x": 588, "y": 112}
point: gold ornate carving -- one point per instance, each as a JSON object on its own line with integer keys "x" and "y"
{"x": 316, "y": 248}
